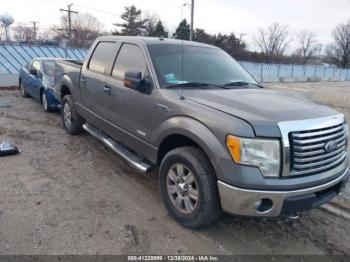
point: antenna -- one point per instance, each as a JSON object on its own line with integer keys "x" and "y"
{"x": 182, "y": 68}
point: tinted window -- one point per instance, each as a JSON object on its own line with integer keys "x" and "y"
{"x": 130, "y": 57}
{"x": 100, "y": 57}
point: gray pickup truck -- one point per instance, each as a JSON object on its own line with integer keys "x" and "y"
{"x": 221, "y": 141}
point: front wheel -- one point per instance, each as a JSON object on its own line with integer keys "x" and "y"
{"x": 72, "y": 122}
{"x": 44, "y": 102}
{"x": 22, "y": 90}
{"x": 188, "y": 187}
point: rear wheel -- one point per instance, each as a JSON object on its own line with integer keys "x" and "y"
{"x": 72, "y": 122}
{"x": 188, "y": 187}
{"x": 22, "y": 90}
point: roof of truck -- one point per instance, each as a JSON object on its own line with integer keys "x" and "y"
{"x": 153, "y": 40}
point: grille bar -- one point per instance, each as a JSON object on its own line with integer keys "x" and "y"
{"x": 310, "y": 159}
{"x": 323, "y": 138}
{"x": 321, "y": 145}
{"x": 316, "y": 163}
{"x": 316, "y": 152}
{"x": 319, "y": 169}
{"x": 318, "y": 133}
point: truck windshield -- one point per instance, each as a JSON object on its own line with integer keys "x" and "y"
{"x": 181, "y": 65}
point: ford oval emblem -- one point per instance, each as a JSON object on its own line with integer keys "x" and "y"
{"x": 330, "y": 146}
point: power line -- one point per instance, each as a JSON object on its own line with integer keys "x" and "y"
{"x": 69, "y": 12}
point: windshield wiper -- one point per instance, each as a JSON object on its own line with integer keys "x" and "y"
{"x": 241, "y": 83}
{"x": 194, "y": 84}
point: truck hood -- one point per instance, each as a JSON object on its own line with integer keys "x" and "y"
{"x": 263, "y": 109}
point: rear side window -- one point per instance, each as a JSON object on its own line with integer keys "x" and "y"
{"x": 100, "y": 57}
{"x": 130, "y": 57}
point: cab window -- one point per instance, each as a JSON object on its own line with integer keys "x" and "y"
{"x": 130, "y": 57}
{"x": 100, "y": 57}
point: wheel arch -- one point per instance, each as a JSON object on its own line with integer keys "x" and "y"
{"x": 66, "y": 86}
{"x": 195, "y": 134}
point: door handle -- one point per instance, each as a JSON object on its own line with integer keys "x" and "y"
{"x": 83, "y": 80}
{"x": 107, "y": 90}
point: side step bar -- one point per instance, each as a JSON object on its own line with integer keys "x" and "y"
{"x": 118, "y": 148}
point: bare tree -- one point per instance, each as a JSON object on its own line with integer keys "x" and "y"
{"x": 23, "y": 33}
{"x": 273, "y": 40}
{"x": 308, "y": 46}
{"x": 339, "y": 51}
{"x": 85, "y": 28}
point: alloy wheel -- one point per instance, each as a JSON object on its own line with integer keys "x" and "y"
{"x": 44, "y": 101}
{"x": 182, "y": 188}
{"x": 67, "y": 115}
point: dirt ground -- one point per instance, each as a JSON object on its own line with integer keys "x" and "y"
{"x": 71, "y": 195}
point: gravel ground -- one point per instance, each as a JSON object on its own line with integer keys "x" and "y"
{"x": 71, "y": 195}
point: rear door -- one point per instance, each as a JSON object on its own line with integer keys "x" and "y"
{"x": 92, "y": 81}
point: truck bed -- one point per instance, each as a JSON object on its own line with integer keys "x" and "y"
{"x": 69, "y": 68}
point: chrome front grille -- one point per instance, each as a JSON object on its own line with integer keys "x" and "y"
{"x": 317, "y": 150}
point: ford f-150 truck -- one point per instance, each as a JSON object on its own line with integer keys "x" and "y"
{"x": 221, "y": 141}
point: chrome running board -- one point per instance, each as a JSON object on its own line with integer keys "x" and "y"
{"x": 118, "y": 148}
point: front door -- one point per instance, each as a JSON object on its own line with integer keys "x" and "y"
{"x": 34, "y": 82}
{"x": 126, "y": 108}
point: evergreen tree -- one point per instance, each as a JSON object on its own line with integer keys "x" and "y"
{"x": 159, "y": 30}
{"x": 182, "y": 31}
{"x": 134, "y": 24}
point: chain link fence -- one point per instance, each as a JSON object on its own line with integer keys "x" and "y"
{"x": 13, "y": 56}
{"x": 295, "y": 73}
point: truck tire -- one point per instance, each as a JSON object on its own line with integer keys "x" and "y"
{"x": 72, "y": 122}
{"x": 188, "y": 187}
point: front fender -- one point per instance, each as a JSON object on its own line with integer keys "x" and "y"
{"x": 213, "y": 146}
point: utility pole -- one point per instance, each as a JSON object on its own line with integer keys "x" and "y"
{"x": 191, "y": 26}
{"x": 34, "y": 29}
{"x": 69, "y": 12}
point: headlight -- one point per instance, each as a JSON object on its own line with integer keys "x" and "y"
{"x": 262, "y": 153}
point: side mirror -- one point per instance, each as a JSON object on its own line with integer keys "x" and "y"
{"x": 133, "y": 79}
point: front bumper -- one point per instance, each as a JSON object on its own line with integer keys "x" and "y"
{"x": 52, "y": 100}
{"x": 263, "y": 203}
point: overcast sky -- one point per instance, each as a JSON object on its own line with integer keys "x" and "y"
{"x": 214, "y": 16}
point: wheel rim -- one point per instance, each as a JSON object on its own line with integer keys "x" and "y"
{"x": 44, "y": 101}
{"x": 67, "y": 115}
{"x": 182, "y": 188}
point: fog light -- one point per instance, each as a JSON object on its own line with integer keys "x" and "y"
{"x": 263, "y": 205}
